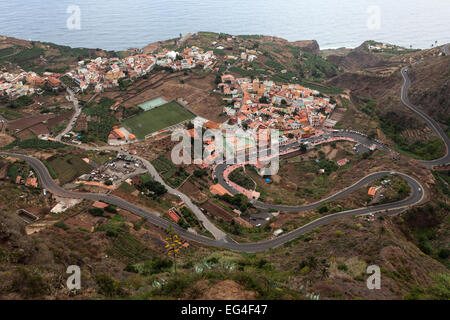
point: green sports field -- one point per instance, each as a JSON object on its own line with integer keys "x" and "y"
{"x": 157, "y": 119}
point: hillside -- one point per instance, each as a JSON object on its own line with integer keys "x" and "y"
{"x": 382, "y": 85}
{"x": 430, "y": 87}
{"x": 40, "y": 56}
{"x": 123, "y": 256}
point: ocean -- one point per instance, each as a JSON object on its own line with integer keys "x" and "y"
{"x": 119, "y": 24}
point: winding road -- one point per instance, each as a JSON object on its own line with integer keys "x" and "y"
{"x": 416, "y": 196}
{"x": 431, "y": 123}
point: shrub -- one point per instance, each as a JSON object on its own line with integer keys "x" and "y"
{"x": 342, "y": 267}
{"x": 21, "y": 102}
{"x": 111, "y": 209}
{"x": 108, "y": 286}
{"x": 61, "y": 225}
{"x": 444, "y": 253}
{"x": 200, "y": 173}
{"x": 338, "y": 233}
{"x": 305, "y": 270}
{"x": 29, "y": 285}
{"x": 96, "y": 212}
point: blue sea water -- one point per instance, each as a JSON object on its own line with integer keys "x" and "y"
{"x": 120, "y": 24}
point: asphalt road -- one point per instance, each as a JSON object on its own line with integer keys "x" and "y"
{"x": 416, "y": 197}
{"x": 74, "y": 118}
{"x": 431, "y": 123}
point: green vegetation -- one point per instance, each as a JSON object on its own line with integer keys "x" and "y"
{"x": 35, "y": 144}
{"x": 100, "y": 128}
{"x": 61, "y": 225}
{"x": 443, "y": 182}
{"x": 9, "y": 114}
{"x": 111, "y": 208}
{"x": 439, "y": 290}
{"x": 318, "y": 67}
{"x": 125, "y": 246}
{"x": 21, "y": 56}
{"x": 369, "y": 106}
{"x": 148, "y": 268}
{"x": 238, "y": 200}
{"x": 424, "y": 226}
{"x": 393, "y": 127}
{"x": 96, "y": 212}
{"x": 239, "y": 177}
{"x": 50, "y": 169}
{"x": 18, "y": 168}
{"x": 127, "y": 187}
{"x": 68, "y": 167}
{"x": 191, "y": 220}
{"x": 399, "y": 189}
{"x": 22, "y": 101}
{"x": 108, "y": 286}
{"x": 174, "y": 175}
{"x": 13, "y": 171}
{"x": 29, "y": 284}
{"x": 249, "y": 73}
{"x": 322, "y": 88}
{"x": 157, "y": 119}
{"x": 200, "y": 173}
{"x": 154, "y": 187}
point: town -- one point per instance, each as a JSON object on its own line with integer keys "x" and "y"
{"x": 103, "y": 73}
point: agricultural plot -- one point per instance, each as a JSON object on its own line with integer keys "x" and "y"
{"x": 68, "y": 168}
{"x": 157, "y": 119}
{"x": 172, "y": 174}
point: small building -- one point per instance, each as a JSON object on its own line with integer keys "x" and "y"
{"x": 173, "y": 215}
{"x": 31, "y": 182}
{"x": 55, "y": 83}
{"x": 99, "y": 205}
{"x": 342, "y": 162}
{"x": 373, "y": 191}
{"x": 277, "y": 232}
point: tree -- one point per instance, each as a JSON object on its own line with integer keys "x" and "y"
{"x": 111, "y": 208}
{"x": 263, "y": 99}
{"x": 200, "y": 173}
{"x": 155, "y": 187}
{"x": 96, "y": 212}
{"x": 218, "y": 79}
